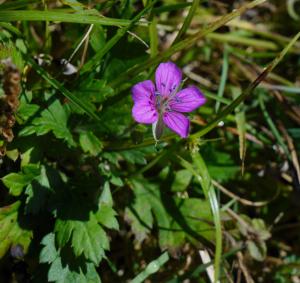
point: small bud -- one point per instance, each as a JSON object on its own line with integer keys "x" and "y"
{"x": 2, "y": 151}
{"x": 13, "y": 102}
{"x": 158, "y": 129}
{"x": 8, "y": 134}
{"x": 10, "y": 120}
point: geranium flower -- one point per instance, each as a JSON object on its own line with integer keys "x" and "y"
{"x": 163, "y": 103}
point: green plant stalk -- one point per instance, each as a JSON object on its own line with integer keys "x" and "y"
{"x": 16, "y": 4}
{"x": 233, "y": 38}
{"x": 186, "y": 43}
{"x": 57, "y": 85}
{"x": 211, "y": 125}
{"x": 187, "y": 21}
{"x": 223, "y": 78}
{"x": 266, "y": 34}
{"x": 153, "y": 37}
{"x": 204, "y": 179}
{"x": 11, "y": 28}
{"x": 151, "y": 268}
{"x": 272, "y": 126}
{"x": 58, "y": 16}
{"x": 96, "y": 59}
{"x": 170, "y": 7}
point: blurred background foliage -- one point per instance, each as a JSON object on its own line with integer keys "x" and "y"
{"x": 87, "y": 196}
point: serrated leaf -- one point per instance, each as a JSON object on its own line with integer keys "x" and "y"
{"x": 106, "y": 216}
{"x": 81, "y": 272}
{"x": 54, "y": 119}
{"x": 133, "y": 156}
{"x": 26, "y": 110}
{"x": 90, "y": 143}
{"x": 37, "y": 192}
{"x": 90, "y": 239}
{"x": 139, "y": 214}
{"x": 177, "y": 218}
{"x": 86, "y": 237}
{"x": 63, "y": 231}
{"x": 106, "y": 197}
{"x": 58, "y": 273}
{"x": 16, "y": 182}
{"x": 49, "y": 252}
{"x": 10, "y": 231}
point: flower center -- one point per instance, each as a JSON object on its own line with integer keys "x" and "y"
{"x": 162, "y": 102}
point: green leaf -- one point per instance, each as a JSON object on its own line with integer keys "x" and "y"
{"x": 181, "y": 181}
{"x": 90, "y": 143}
{"x": 37, "y": 192}
{"x": 16, "y": 182}
{"x": 133, "y": 156}
{"x": 106, "y": 216}
{"x": 58, "y": 273}
{"x": 106, "y": 197}
{"x": 89, "y": 239}
{"x": 54, "y": 119}
{"x": 26, "y": 110}
{"x": 140, "y": 218}
{"x": 97, "y": 38}
{"x": 257, "y": 249}
{"x": 49, "y": 252}
{"x": 10, "y": 231}
{"x": 77, "y": 101}
{"x": 65, "y": 269}
{"x": 177, "y": 218}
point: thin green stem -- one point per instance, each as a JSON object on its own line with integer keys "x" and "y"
{"x": 187, "y": 21}
{"x": 96, "y": 59}
{"x": 58, "y": 16}
{"x": 210, "y": 126}
{"x": 223, "y": 78}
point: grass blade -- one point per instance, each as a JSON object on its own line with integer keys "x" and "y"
{"x": 59, "y": 16}
{"x": 223, "y": 77}
{"x": 272, "y": 126}
{"x": 186, "y": 43}
{"x": 202, "y": 175}
{"x": 187, "y": 21}
{"x": 151, "y": 268}
{"x": 96, "y": 59}
{"x": 210, "y": 126}
{"x": 57, "y": 85}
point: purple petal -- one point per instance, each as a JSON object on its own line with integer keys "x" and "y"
{"x": 143, "y": 91}
{"x": 177, "y": 122}
{"x": 167, "y": 78}
{"x": 187, "y": 100}
{"x": 144, "y": 112}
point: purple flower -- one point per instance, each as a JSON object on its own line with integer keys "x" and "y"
{"x": 165, "y": 103}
